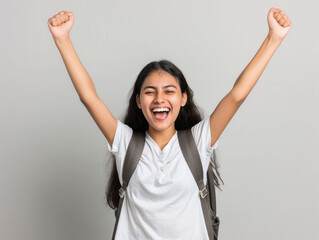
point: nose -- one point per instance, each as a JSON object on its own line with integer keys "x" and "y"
{"x": 159, "y": 97}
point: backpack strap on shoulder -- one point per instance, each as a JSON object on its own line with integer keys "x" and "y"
{"x": 133, "y": 155}
{"x": 191, "y": 155}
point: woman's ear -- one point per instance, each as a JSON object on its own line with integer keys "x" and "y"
{"x": 184, "y": 99}
{"x": 138, "y": 101}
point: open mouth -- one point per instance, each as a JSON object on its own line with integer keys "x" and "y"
{"x": 161, "y": 114}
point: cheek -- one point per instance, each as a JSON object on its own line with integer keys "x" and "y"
{"x": 145, "y": 103}
{"x": 176, "y": 101}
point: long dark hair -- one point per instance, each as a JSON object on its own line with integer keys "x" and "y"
{"x": 188, "y": 116}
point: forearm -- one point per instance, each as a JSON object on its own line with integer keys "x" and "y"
{"x": 79, "y": 76}
{"x": 250, "y": 75}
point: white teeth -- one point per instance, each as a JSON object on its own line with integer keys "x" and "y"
{"x": 160, "y": 109}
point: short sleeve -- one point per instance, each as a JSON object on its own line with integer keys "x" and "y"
{"x": 202, "y": 137}
{"x": 121, "y": 139}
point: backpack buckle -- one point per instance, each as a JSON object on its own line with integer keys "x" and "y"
{"x": 121, "y": 192}
{"x": 203, "y": 192}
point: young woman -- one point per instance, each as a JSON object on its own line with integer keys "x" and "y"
{"x": 162, "y": 197}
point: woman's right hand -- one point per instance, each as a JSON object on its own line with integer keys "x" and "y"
{"x": 60, "y": 25}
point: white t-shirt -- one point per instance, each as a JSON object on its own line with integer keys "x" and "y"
{"x": 161, "y": 200}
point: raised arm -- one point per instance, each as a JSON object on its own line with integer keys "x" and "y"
{"x": 279, "y": 25}
{"x": 60, "y": 26}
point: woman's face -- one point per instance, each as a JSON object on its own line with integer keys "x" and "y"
{"x": 161, "y": 91}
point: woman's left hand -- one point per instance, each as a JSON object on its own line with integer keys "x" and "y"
{"x": 279, "y": 24}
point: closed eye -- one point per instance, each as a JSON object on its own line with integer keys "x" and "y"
{"x": 166, "y": 92}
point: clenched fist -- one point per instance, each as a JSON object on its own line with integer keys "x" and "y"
{"x": 279, "y": 23}
{"x": 60, "y": 24}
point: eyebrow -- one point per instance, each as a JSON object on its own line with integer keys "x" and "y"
{"x": 167, "y": 86}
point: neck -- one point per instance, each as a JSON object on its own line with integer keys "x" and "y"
{"x": 161, "y": 137}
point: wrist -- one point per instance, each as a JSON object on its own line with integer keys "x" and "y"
{"x": 273, "y": 39}
{"x": 62, "y": 41}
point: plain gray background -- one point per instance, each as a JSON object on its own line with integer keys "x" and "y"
{"x": 53, "y": 156}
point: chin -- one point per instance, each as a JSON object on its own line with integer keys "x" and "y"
{"x": 158, "y": 126}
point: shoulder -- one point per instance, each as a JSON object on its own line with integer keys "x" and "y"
{"x": 202, "y": 136}
{"x": 199, "y": 127}
{"x": 122, "y": 137}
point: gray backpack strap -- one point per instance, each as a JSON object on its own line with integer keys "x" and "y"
{"x": 133, "y": 155}
{"x": 212, "y": 196}
{"x": 191, "y": 155}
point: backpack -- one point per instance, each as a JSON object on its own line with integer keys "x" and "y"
{"x": 206, "y": 193}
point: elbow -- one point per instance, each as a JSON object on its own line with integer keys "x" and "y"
{"x": 82, "y": 101}
{"x": 237, "y": 96}
{"x": 88, "y": 99}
